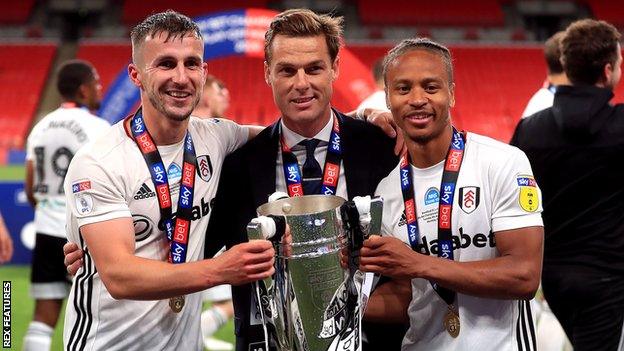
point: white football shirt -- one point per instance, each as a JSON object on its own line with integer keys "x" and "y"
{"x": 495, "y": 191}
{"x": 110, "y": 179}
{"x": 51, "y": 145}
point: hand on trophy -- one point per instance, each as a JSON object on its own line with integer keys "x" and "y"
{"x": 388, "y": 256}
{"x": 245, "y": 263}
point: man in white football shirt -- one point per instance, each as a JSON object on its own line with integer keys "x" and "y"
{"x": 469, "y": 208}
{"x": 139, "y": 201}
{"x": 543, "y": 98}
{"x": 50, "y": 147}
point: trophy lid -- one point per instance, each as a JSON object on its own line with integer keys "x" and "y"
{"x": 300, "y": 205}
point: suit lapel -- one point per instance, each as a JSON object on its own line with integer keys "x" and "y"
{"x": 262, "y": 164}
{"x": 354, "y": 181}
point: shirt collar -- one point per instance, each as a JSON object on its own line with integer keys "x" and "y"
{"x": 291, "y": 138}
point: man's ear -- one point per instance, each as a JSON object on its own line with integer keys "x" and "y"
{"x": 607, "y": 73}
{"x": 135, "y": 75}
{"x": 267, "y": 73}
{"x": 451, "y": 94}
{"x": 81, "y": 94}
{"x": 335, "y": 68}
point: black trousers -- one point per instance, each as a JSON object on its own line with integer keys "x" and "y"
{"x": 588, "y": 303}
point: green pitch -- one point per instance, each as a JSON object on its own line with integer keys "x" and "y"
{"x": 22, "y": 307}
{"x": 12, "y": 173}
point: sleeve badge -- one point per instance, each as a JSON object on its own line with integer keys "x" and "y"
{"x": 528, "y": 198}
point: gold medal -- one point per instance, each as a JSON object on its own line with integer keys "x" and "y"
{"x": 451, "y": 323}
{"x": 176, "y": 303}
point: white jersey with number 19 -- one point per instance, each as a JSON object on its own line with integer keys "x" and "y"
{"x": 50, "y": 146}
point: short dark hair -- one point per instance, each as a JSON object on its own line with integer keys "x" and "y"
{"x": 587, "y": 46}
{"x": 552, "y": 53}
{"x": 71, "y": 75}
{"x": 408, "y": 45}
{"x": 171, "y": 22}
{"x": 305, "y": 23}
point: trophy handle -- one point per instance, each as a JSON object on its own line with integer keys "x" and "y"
{"x": 270, "y": 228}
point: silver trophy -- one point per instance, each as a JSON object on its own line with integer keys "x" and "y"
{"x": 312, "y": 302}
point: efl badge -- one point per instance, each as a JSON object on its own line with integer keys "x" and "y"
{"x": 469, "y": 197}
{"x": 528, "y": 199}
{"x": 84, "y": 203}
{"x": 204, "y": 167}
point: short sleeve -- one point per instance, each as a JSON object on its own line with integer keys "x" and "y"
{"x": 516, "y": 197}
{"x": 233, "y": 135}
{"x": 92, "y": 192}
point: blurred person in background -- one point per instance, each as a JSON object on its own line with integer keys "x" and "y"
{"x": 543, "y": 98}
{"x": 376, "y": 100}
{"x": 6, "y": 243}
{"x": 550, "y": 335}
{"x": 50, "y": 147}
{"x": 575, "y": 148}
{"x": 215, "y": 99}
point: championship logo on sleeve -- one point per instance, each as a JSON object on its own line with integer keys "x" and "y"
{"x": 81, "y": 186}
{"x": 84, "y": 202}
{"x": 528, "y": 198}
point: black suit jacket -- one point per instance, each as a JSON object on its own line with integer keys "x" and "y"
{"x": 248, "y": 178}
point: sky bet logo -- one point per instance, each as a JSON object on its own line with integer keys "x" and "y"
{"x": 404, "y": 178}
{"x": 335, "y": 143}
{"x": 178, "y": 252}
{"x": 186, "y": 196}
{"x": 81, "y": 186}
{"x": 454, "y": 160}
{"x": 139, "y": 127}
{"x": 293, "y": 174}
{"x": 448, "y": 189}
{"x": 145, "y": 144}
{"x": 460, "y": 241}
{"x": 331, "y": 174}
{"x": 158, "y": 173}
{"x": 527, "y": 181}
{"x": 458, "y": 142}
{"x": 189, "y": 145}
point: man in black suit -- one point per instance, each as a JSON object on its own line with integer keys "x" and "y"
{"x": 301, "y": 53}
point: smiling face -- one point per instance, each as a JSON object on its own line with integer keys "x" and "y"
{"x": 420, "y": 95}
{"x": 301, "y": 75}
{"x": 170, "y": 74}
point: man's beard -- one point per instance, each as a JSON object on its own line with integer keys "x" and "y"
{"x": 160, "y": 107}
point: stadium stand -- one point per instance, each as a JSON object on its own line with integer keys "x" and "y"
{"x": 608, "y": 10}
{"x": 24, "y": 69}
{"x": 108, "y": 58}
{"x": 437, "y": 13}
{"x": 136, "y": 10}
{"x": 16, "y": 12}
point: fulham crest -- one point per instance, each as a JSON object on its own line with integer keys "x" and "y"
{"x": 469, "y": 197}
{"x": 204, "y": 167}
